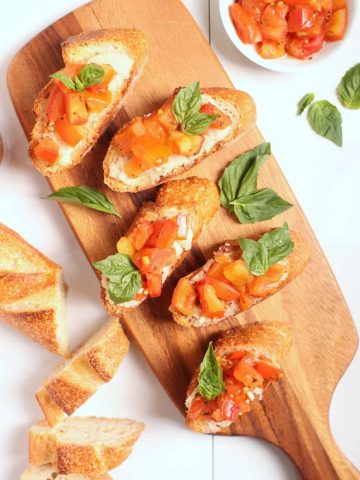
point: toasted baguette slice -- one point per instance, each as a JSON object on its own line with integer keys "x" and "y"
{"x": 239, "y": 107}
{"x": 198, "y": 198}
{"x": 83, "y": 445}
{"x": 75, "y": 381}
{"x": 295, "y": 264}
{"x": 266, "y": 341}
{"x": 46, "y": 472}
{"x": 126, "y": 51}
{"x": 32, "y": 297}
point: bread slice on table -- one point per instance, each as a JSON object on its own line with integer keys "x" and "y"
{"x": 47, "y": 472}
{"x": 237, "y": 105}
{"x": 72, "y": 383}
{"x": 294, "y": 264}
{"x": 83, "y": 445}
{"x": 195, "y": 198}
{"x": 32, "y": 296}
{"x": 262, "y": 342}
{"x": 126, "y": 51}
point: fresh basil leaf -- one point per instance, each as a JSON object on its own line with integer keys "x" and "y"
{"x": 198, "y": 122}
{"x": 249, "y": 181}
{"x": 258, "y": 206}
{"x": 260, "y": 255}
{"x": 348, "y": 89}
{"x": 232, "y": 178}
{"x": 187, "y": 102}
{"x": 86, "y": 197}
{"x": 124, "y": 277}
{"x": 91, "y": 74}
{"x": 79, "y": 86}
{"x": 325, "y": 119}
{"x": 305, "y": 102}
{"x": 64, "y": 79}
{"x": 210, "y": 379}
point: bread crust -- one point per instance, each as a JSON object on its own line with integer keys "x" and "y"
{"x": 246, "y": 109}
{"x": 198, "y": 197}
{"x": 297, "y": 262}
{"x": 130, "y": 41}
{"x": 47, "y": 472}
{"x": 271, "y": 339}
{"x": 92, "y": 365}
{"x": 28, "y": 280}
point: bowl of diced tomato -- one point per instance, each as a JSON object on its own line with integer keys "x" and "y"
{"x": 287, "y": 35}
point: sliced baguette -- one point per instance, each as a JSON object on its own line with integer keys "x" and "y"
{"x": 296, "y": 262}
{"x": 83, "y": 445}
{"x": 271, "y": 340}
{"x": 121, "y": 44}
{"x": 193, "y": 196}
{"x": 75, "y": 381}
{"x": 239, "y": 106}
{"x": 32, "y": 297}
{"x": 46, "y": 472}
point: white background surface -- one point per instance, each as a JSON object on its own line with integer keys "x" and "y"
{"x": 325, "y": 180}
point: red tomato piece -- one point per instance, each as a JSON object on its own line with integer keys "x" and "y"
{"x": 229, "y": 410}
{"x": 55, "y": 108}
{"x": 335, "y": 26}
{"x": 211, "y": 305}
{"x": 164, "y": 235}
{"x": 154, "y": 127}
{"x": 184, "y": 297}
{"x": 236, "y": 356}
{"x": 154, "y": 260}
{"x": 70, "y": 134}
{"x": 75, "y": 108}
{"x": 246, "y": 374}
{"x": 299, "y": 17}
{"x": 223, "y": 290}
{"x": 273, "y": 23}
{"x": 201, "y": 408}
{"x": 254, "y": 7}
{"x": 245, "y": 25}
{"x": 246, "y": 301}
{"x": 269, "y": 49}
{"x": 166, "y": 116}
{"x": 141, "y": 234}
{"x": 337, "y": 4}
{"x": 97, "y": 101}
{"x": 267, "y": 371}
{"x": 303, "y": 48}
{"x": 47, "y": 150}
{"x": 154, "y": 284}
{"x": 222, "y": 121}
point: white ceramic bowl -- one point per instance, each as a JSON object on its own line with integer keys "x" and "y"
{"x": 286, "y": 63}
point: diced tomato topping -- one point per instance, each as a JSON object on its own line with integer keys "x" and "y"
{"x": 254, "y": 7}
{"x": 303, "y": 48}
{"x": 185, "y": 143}
{"x": 237, "y": 273}
{"x": 165, "y": 115}
{"x": 154, "y": 260}
{"x": 55, "y": 108}
{"x": 70, "y": 134}
{"x": 335, "y": 26}
{"x": 154, "y": 127}
{"x": 273, "y": 23}
{"x": 267, "y": 371}
{"x": 229, "y": 410}
{"x": 164, "y": 234}
{"x": 150, "y": 149}
{"x": 124, "y": 245}
{"x": 201, "y": 408}
{"x": 70, "y": 71}
{"x": 184, "y": 297}
{"x": 47, "y": 150}
{"x": 216, "y": 270}
{"x": 300, "y": 17}
{"x": 269, "y": 283}
{"x": 246, "y": 26}
{"x": 75, "y": 108}
{"x": 246, "y": 301}
{"x": 211, "y": 305}
{"x": 223, "y": 290}
{"x": 141, "y": 234}
{"x": 337, "y": 4}
{"x": 97, "y": 101}
{"x": 270, "y": 49}
{"x": 154, "y": 284}
{"x": 125, "y": 138}
{"x": 246, "y": 374}
{"x": 236, "y": 356}
{"x": 222, "y": 121}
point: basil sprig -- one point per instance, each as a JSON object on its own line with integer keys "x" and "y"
{"x": 272, "y": 247}
{"x": 186, "y": 108}
{"x": 86, "y": 197}
{"x": 305, "y": 102}
{"x": 210, "y": 378}
{"x": 238, "y": 186}
{"x": 348, "y": 89}
{"x": 91, "y": 74}
{"x": 325, "y": 119}
{"x": 124, "y": 277}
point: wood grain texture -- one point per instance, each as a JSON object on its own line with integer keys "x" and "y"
{"x": 294, "y": 414}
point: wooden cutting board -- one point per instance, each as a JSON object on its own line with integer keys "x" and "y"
{"x": 294, "y": 413}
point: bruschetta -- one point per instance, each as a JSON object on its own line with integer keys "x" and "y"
{"x": 235, "y": 372}
{"x": 189, "y": 126}
{"x": 80, "y": 100}
{"x": 159, "y": 238}
{"x": 228, "y": 284}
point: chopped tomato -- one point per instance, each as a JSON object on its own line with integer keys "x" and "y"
{"x": 109, "y": 75}
{"x": 229, "y": 410}
{"x": 211, "y": 305}
{"x": 269, "y": 283}
{"x": 337, "y": 4}
{"x": 269, "y": 49}
{"x": 315, "y": 29}
{"x": 222, "y": 121}
{"x": 246, "y": 26}
{"x": 47, "y": 150}
{"x": 70, "y": 134}
{"x": 166, "y": 116}
{"x": 150, "y": 149}
{"x": 154, "y": 127}
{"x": 223, "y": 290}
{"x": 254, "y": 7}
{"x": 124, "y": 245}
{"x": 237, "y": 273}
{"x": 303, "y": 48}
{"x": 154, "y": 260}
{"x": 75, "y": 108}
{"x": 246, "y": 374}
{"x": 201, "y": 408}
{"x": 217, "y": 271}
{"x": 125, "y": 138}
{"x": 246, "y": 301}
{"x": 164, "y": 234}
{"x": 299, "y": 17}
{"x": 55, "y": 108}
{"x": 267, "y": 371}
{"x": 97, "y": 101}
{"x": 335, "y": 26}
{"x": 317, "y": 5}
{"x": 185, "y": 143}
{"x": 184, "y": 297}
{"x": 273, "y": 23}
{"x": 222, "y": 258}
{"x": 235, "y": 391}
{"x": 154, "y": 284}
{"x": 236, "y": 356}
{"x": 141, "y": 234}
